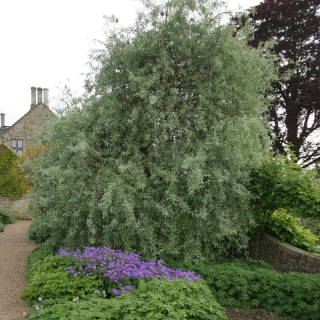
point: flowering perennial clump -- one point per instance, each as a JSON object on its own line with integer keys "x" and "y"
{"x": 122, "y": 267}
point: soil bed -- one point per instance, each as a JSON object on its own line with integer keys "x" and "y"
{"x": 253, "y": 314}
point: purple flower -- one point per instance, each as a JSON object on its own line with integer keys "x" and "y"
{"x": 122, "y": 267}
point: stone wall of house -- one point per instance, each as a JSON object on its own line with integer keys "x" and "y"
{"x": 18, "y": 206}
{"x": 284, "y": 257}
{"x": 28, "y": 127}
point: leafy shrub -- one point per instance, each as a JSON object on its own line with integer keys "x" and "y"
{"x": 154, "y": 299}
{"x": 285, "y": 226}
{"x": 312, "y": 224}
{"x": 281, "y": 183}
{"x": 49, "y": 278}
{"x": 38, "y": 232}
{"x": 149, "y": 167}
{"x": 238, "y": 284}
{"x": 39, "y": 253}
{"x": 6, "y": 216}
{"x": 1, "y": 226}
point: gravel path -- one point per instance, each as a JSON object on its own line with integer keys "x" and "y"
{"x": 14, "y": 248}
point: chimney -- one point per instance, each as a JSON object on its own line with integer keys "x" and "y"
{"x": 33, "y": 97}
{"x": 3, "y": 120}
{"x": 39, "y": 90}
{"x": 46, "y": 96}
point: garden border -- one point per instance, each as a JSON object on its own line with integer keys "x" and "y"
{"x": 285, "y": 257}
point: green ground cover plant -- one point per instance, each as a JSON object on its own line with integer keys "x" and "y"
{"x": 154, "y": 299}
{"x": 239, "y": 284}
{"x": 39, "y": 253}
{"x": 49, "y": 278}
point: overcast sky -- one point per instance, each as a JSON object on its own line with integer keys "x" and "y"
{"x": 46, "y": 44}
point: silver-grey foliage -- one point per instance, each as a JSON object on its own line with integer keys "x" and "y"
{"x": 157, "y": 158}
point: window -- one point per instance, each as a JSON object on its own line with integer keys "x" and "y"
{"x": 17, "y": 146}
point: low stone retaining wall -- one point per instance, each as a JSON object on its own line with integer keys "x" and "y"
{"x": 18, "y": 206}
{"x": 284, "y": 257}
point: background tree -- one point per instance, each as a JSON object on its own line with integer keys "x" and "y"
{"x": 294, "y": 25}
{"x": 156, "y": 158}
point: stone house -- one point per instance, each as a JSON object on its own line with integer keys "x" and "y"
{"x": 23, "y": 134}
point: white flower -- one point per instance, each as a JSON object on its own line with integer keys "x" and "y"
{"x": 37, "y": 308}
{"x": 40, "y": 299}
{"x": 76, "y": 299}
{"x": 24, "y": 314}
{"x": 82, "y": 296}
{"x": 96, "y": 292}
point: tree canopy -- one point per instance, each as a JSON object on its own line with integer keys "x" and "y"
{"x": 156, "y": 157}
{"x": 294, "y": 25}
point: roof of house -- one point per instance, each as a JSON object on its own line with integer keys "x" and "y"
{"x": 7, "y": 128}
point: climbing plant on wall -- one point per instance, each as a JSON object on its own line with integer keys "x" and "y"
{"x": 13, "y": 180}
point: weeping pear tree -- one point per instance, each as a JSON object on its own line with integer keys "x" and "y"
{"x": 155, "y": 157}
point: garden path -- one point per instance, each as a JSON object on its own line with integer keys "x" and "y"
{"x": 14, "y": 248}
